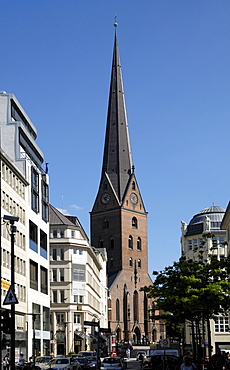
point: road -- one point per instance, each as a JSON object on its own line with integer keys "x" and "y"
{"x": 132, "y": 363}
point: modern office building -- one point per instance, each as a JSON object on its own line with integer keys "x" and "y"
{"x": 24, "y": 194}
{"x": 119, "y": 224}
{"x": 212, "y": 222}
{"x": 78, "y": 286}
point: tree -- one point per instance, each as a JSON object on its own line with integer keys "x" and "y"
{"x": 191, "y": 290}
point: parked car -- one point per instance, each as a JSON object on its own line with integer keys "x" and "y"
{"x": 140, "y": 355}
{"x": 43, "y": 361}
{"x": 64, "y": 363}
{"x": 87, "y": 353}
{"x": 83, "y": 361}
{"x": 92, "y": 362}
{"x": 113, "y": 363}
{"x": 157, "y": 362}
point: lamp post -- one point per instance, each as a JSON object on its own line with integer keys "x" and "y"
{"x": 13, "y": 230}
{"x": 34, "y": 316}
{"x": 85, "y": 340}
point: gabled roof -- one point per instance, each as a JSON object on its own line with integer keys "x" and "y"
{"x": 57, "y": 218}
{"x": 117, "y": 160}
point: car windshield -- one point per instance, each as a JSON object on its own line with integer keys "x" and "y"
{"x": 43, "y": 359}
{"x": 60, "y": 361}
{"x": 112, "y": 360}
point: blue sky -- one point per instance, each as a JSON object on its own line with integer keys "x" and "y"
{"x": 175, "y": 55}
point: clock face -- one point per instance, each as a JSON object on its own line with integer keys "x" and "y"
{"x": 133, "y": 198}
{"x": 105, "y": 198}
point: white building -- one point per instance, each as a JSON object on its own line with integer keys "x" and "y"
{"x": 208, "y": 221}
{"x": 78, "y": 286}
{"x": 24, "y": 193}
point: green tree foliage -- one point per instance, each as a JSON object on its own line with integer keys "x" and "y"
{"x": 189, "y": 290}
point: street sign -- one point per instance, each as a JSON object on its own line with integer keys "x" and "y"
{"x": 91, "y": 323}
{"x": 165, "y": 343}
{"x": 105, "y": 330}
{"x": 10, "y": 297}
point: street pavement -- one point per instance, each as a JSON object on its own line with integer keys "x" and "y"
{"x": 133, "y": 364}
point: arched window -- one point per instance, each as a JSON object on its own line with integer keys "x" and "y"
{"x": 133, "y": 185}
{"x": 101, "y": 243}
{"x": 130, "y": 262}
{"x": 106, "y": 223}
{"x": 139, "y": 244}
{"x": 112, "y": 243}
{"x": 135, "y": 307}
{"x": 134, "y": 223}
{"x": 117, "y": 310}
{"x": 130, "y": 242}
{"x": 111, "y": 262}
{"x": 139, "y": 264}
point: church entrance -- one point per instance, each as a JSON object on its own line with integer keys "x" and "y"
{"x": 137, "y": 335}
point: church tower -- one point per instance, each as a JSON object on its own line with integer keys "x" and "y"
{"x": 119, "y": 222}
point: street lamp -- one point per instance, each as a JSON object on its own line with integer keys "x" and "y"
{"x": 13, "y": 230}
{"x": 34, "y": 316}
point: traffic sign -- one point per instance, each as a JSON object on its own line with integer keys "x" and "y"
{"x": 10, "y": 297}
{"x": 165, "y": 343}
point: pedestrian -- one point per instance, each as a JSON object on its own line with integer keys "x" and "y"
{"x": 188, "y": 364}
{"x": 22, "y": 360}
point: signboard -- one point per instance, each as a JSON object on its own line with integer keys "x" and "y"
{"x": 5, "y": 284}
{"x": 173, "y": 352}
{"x": 105, "y": 330}
{"x": 90, "y": 323}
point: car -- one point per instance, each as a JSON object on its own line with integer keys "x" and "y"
{"x": 87, "y": 353}
{"x": 140, "y": 355}
{"x": 92, "y": 362}
{"x": 83, "y": 361}
{"x": 112, "y": 363}
{"x": 64, "y": 363}
{"x": 158, "y": 362}
{"x": 43, "y": 361}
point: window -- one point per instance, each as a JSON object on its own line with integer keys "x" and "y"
{"x": 62, "y": 275}
{"x": 139, "y": 244}
{"x": 221, "y": 241}
{"x": 134, "y": 223}
{"x": 46, "y": 319}
{"x": 130, "y": 242}
{"x": 34, "y": 190}
{"x": 117, "y": 310}
{"x": 54, "y": 272}
{"x": 60, "y": 318}
{"x": 77, "y": 318}
{"x": 221, "y": 324}
{"x": 190, "y": 245}
{"x": 54, "y": 296}
{"x": 139, "y": 264}
{"x": 44, "y": 280}
{"x": 54, "y": 254}
{"x": 214, "y": 242}
{"x": 36, "y": 309}
{"x": 201, "y": 242}
{"x": 135, "y": 307}
{"x": 133, "y": 185}
{"x": 72, "y": 233}
{"x": 111, "y": 262}
{"x": 78, "y": 299}
{"x": 101, "y": 244}
{"x": 45, "y": 201}
{"x": 62, "y": 254}
{"x": 130, "y": 262}
{"x": 33, "y": 275}
{"x": 54, "y": 233}
{"x": 62, "y": 296}
{"x": 195, "y": 243}
{"x": 106, "y": 223}
{"x": 112, "y": 243}
{"x": 33, "y": 236}
{"x": 43, "y": 244}
{"x": 62, "y": 233}
{"x": 80, "y": 252}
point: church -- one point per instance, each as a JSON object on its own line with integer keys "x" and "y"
{"x": 118, "y": 223}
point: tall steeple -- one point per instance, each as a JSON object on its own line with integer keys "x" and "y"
{"x": 117, "y": 161}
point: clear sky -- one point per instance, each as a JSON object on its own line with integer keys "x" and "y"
{"x": 56, "y": 58}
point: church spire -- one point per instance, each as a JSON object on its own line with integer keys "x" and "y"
{"x": 117, "y": 160}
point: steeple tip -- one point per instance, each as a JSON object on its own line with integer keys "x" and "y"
{"x": 115, "y": 20}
